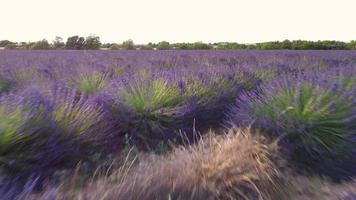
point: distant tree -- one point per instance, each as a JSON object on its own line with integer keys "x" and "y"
{"x": 42, "y": 44}
{"x": 182, "y": 46}
{"x": 106, "y": 45}
{"x": 128, "y": 45}
{"x": 352, "y": 45}
{"x": 75, "y": 42}
{"x": 11, "y": 46}
{"x": 231, "y": 45}
{"x": 301, "y": 45}
{"x": 58, "y": 43}
{"x": 145, "y": 47}
{"x": 332, "y": 44}
{"x": 153, "y": 45}
{"x": 92, "y": 42}
{"x": 200, "y": 45}
{"x": 3, "y": 43}
{"x": 22, "y": 45}
{"x": 251, "y": 46}
{"x": 115, "y": 46}
{"x": 269, "y": 45}
{"x": 29, "y": 45}
{"x": 164, "y": 45}
{"x": 286, "y": 44}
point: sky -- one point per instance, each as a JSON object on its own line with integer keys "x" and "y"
{"x": 243, "y": 21}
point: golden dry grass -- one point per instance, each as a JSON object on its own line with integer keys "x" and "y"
{"x": 234, "y": 165}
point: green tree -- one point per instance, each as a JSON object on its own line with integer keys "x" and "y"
{"x": 3, "y": 43}
{"x": 286, "y": 44}
{"x": 11, "y": 46}
{"x": 146, "y": 47}
{"x": 352, "y": 44}
{"x": 23, "y": 45}
{"x": 164, "y": 45}
{"x": 106, "y": 45}
{"x": 115, "y": 46}
{"x": 42, "y": 44}
{"x": 200, "y": 45}
{"x": 58, "y": 43}
{"x": 92, "y": 42}
{"x": 75, "y": 42}
{"x": 128, "y": 45}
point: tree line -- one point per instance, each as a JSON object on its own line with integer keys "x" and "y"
{"x": 73, "y": 42}
{"x": 93, "y": 42}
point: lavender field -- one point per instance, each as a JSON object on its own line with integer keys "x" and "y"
{"x": 175, "y": 124}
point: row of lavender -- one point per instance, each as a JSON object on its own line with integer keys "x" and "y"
{"x": 59, "y": 107}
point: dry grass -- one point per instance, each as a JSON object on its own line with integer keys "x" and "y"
{"x": 299, "y": 187}
{"x": 235, "y": 165}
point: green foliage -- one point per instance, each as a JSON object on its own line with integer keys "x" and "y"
{"x": 191, "y": 46}
{"x": 4, "y": 86}
{"x": 92, "y": 82}
{"x": 21, "y": 78}
{"x": 10, "y": 123}
{"x": 4, "y": 43}
{"x": 152, "y": 111}
{"x": 145, "y": 47}
{"x": 92, "y": 42}
{"x": 196, "y": 88}
{"x": 106, "y": 45}
{"x": 230, "y": 45}
{"x": 42, "y": 44}
{"x": 11, "y": 46}
{"x": 75, "y": 42}
{"x": 128, "y": 45}
{"x": 150, "y": 97}
{"x": 23, "y": 136}
{"x": 115, "y": 47}
{"x": 265, "y": 74}
{"x": 58, "y": 43}
{"x": 352, "y": 44}
{"x": 309, "y": 115}
{"x": 75, "y": 119}
{"x": 163, "y": 45}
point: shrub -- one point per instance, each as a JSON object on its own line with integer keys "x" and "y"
{"x": 314, "y": 118}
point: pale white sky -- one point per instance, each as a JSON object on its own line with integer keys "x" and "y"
{"x": 244, "y": 21}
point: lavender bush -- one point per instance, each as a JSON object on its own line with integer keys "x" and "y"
{"x": 315, "y": 114}
{"x": 29, "y": 143}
